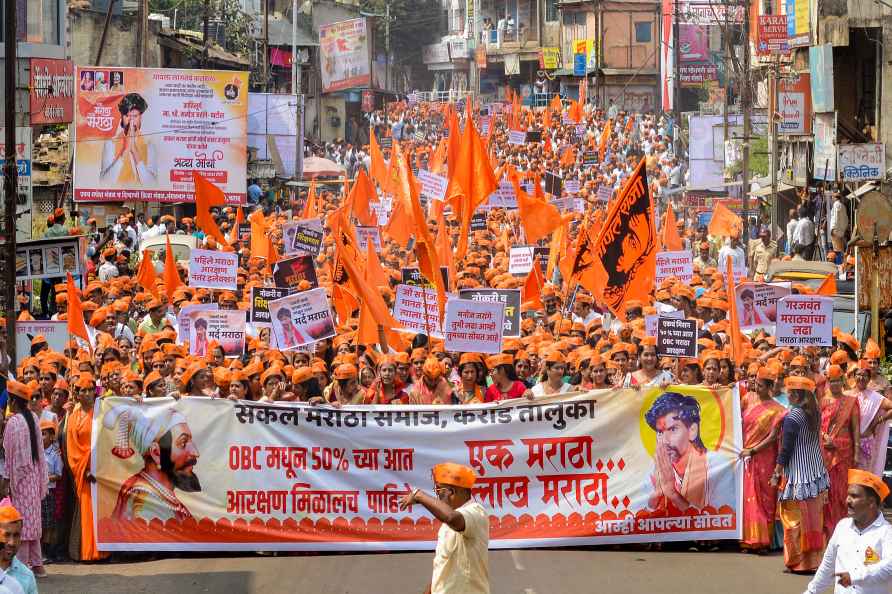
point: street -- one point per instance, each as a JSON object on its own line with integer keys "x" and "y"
{"x": 529, "y": 571}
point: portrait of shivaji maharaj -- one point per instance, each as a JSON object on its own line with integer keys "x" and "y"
{"x": 685, "y": 473}
{"x": 164, "y": 442}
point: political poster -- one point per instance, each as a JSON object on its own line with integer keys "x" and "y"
{"x": 757, "y": 304}
{"x": 260, "y": 298}
{"x": 574, "y": 470}
{"x": 301, "y": 319}
{"x": 520, "y": 260}
{"x": 55, "y": 333}
{"x": 510, "y": 298}
{"x": 433, "y": 186}
{"x": 212, "y": 269}
{"x": 184, "y": 318}
{"x": 366, "y": 234}
{"x": 290, "y": 272}
{"x": 413, "y": 276}
{"x": 517, "y": 137}
{"x": 142, "y": 132}
{"x": 679, "y": 264}
{"x": 224, "y": 326}
{"x": 344, "y": 55}
{"x": 804, "y": 320}
{"x": 650, "y": 321}
{"x": 51, "y": 91}
{"x": 303, "y": 237}
{"x": 677, "y": 337}
{"x": 504, "y": 197}
{"x": 474, "y": 326}
{"x": 418, "y": 310}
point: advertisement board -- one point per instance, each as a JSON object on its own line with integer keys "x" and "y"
{"x": 51, "y": 95}
{"x": 344, "y": 54}
{"x": 141, "y": 132}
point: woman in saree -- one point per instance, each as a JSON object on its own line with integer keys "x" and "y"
{"x": 875, "y": 414}
{"x": 840, "y": 432}
{"x": 762, "y": 419}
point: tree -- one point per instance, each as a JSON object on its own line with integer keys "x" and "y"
{"x": 235, "y": 24}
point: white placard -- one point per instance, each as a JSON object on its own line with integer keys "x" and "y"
{"x": 650, "y": 322}
{"x": 517, "y": 137}
{"x": 409, "y": 308}
{"x": 366, "y": 234}
{"x": 212, "y": 269}
{"x": 503, "y": 197}
{"x": 432, "y": 185}
{"x": 55, "y": 332}
{"x": 804, "y": 320}
{"x": 474, "y": 326}
{"x": 679, "y": 264}
{"x": 521, "y": 260}
{"x": 185, "y": 315}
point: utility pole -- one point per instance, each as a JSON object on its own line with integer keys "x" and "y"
{"x": 204, "y": 33}
{"x": 296, "y": 90}
{"x": 142, "y": 32}
{"x": 266, "y": 46}
{"x": 676, "y": 88}
{"x": 10, "y": 178}
{"x": 772, "y": 131}
{"x": 387, "y": 46}
{"x": 747, "y": 106}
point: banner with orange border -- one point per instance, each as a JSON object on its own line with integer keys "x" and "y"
{"x": 141, "y": 132}
{"x": 602, "y": 467}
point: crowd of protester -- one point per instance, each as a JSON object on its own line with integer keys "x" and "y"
{"x": 809, "y": 415}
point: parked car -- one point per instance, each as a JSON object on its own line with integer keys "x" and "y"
{"x": 182, "y": 246}
{"x": 807, "y": 272}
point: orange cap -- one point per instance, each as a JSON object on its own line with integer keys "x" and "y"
{"x": 457, "y": 475}
{"x": 795, "y": 382}
{"x": 869, "y": 480}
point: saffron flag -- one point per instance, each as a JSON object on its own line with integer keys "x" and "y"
{"x": 671, "y": 240}
{"x": 619, "y": 264}
{"x": 76, "y": 325}
{"x": 538, "y": 217}
{"x": 361, "y": 195}
{"x": 532, "y": 287}
{"x": 725, "y": 223}
{"x": 734, "y": 320}
{"x": 146, "y": 275}
{"x": 206, "y": 196}
{"x": 172, "y": 280}
{"x": 378, "y": 168}
{"x": 828, "y": 287}
{"x": 311, "y": 209}
{"x": 605, "y": 138}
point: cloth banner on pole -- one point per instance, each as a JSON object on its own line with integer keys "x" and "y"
{"x": 561, "y": 471}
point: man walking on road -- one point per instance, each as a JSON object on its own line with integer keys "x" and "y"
{"x": 461, "y": 562}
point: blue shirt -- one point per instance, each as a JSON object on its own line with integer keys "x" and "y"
{"x": 254, "y": 193}
{"x": 22, "y": 576}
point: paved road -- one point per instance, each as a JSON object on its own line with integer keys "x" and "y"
{"x": 552, "y": 571}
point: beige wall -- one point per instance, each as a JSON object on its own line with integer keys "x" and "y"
{"x": 120, "y": 43}
{"x": 620, "y": 48}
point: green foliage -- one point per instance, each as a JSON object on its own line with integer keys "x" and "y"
{"x": 190, "y": 16}
{"x": 759, "y": 156}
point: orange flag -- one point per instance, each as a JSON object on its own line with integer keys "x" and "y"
{"x": 583, "y": 91}
{"x": 471, "y": 182}
{"x": 671, "y": 239}
{"x": 619, "y": 264}
{"x": 259, "y": 243}
{"x": 374, "y": 272}
{"x": 362, "y": 194}
{"x": 725, "y": 223}
{"x": 146, "y": 275}
{"x": 206, "y": 196}
{"x": 239, "y": 219}
{"x": 76, "y": 325}
{"x": 605, "y": 138}
{"x": 828, "y": 287}
{"x": 538, "y": 217}
{"x": 444, "y": 246}
{"x": 532, "y": 288}
{"x": 453, "y": 144}
{"x": 367, "y": 332}
{"x": 546, "y": 120}
{"x": 734, "y": 321}
{"x": 344, "y": 302}
{"x": 399, "y": 226}
{"x": 575, "y": 111}
{"x": 438, "y": 159}
{"x": 171, "y": 276}
{"x": 556, "y": 104}
{"x": 311, "y": 209}
{"x": 569, "y": 157}
{"x": 378, "y": 168}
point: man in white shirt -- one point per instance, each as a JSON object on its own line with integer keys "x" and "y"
{"x": 804, "y": 237}
{"x": 859, "y": 555}
{"x": 839, "y": 223}
{"x": 461, "y": 561}
{"x": 791, "y": 230}
{"x": 732, "y": 249}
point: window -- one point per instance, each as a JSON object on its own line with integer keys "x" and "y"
{"x": 643, "y": 32}
{"x": 551, "y": 11}
{"x": 37, "y": 21}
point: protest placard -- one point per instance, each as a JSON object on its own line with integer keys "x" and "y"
{"x": 417, "y": 309}
{"x": 244, "y": 231}
{"x": 553, "y": 183}
{"x": 520, "y": 260}
{"x": 303, "y": 237}
{"x": 366, "y": 234}
{"x": 260, "y": 298}
{"x": 226, "y": 326}
{"x": 432, "y": 185}
{"x": 650, "y": 322}
{"x": 590, "y": 158}
{"x": 541, "y": 253}
{"x": 534, "y": 136}
{"x": 679, "y": 264}
{"x": 510, "y": 298}
{"x": 290, "y": 272}
{"x": 300, "y": 319}
{"x": 605, "y": 193}
{"x": 212, "y": 269}
{"x": 184, "y": 318}
{"x": 503, "y": 197}
{"x": 804, "y": 320}
{"x": 413, "y": 277}
{"x": 478, "y": 221}
{"x": 55, "y": 332}
{"x": 474, "y": 326}
{"x": 517, "y": 137}
{"x": 757, "y": 304}
{"x": 571, "y": 186}
{"x": 677, "y": 337}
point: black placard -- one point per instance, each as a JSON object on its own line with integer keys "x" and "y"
{"x": 478, "y": 221}
{"x": 590, "y": 158}
{"x": 288, "y": 273}
{"x": 509, "y": 297}
{"x": 677, "y": 338}
{"x": 260, "y": 298}
{"x": 553, "y": 183}
{"x": 413, "y": 277}
{"x": 534, "y": 136}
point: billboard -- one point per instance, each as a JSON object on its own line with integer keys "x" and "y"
{"x": 52, "y": 91}
{"x": 344, "y": 53}
{"x": 141, "y": 132}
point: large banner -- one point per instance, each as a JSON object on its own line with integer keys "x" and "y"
{"x": 141, "y": 132}
{"x": 610, "y": 466}
{"x": 344, "y": 53}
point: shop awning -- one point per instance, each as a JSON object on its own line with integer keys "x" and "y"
{"x": 766, "y": 191}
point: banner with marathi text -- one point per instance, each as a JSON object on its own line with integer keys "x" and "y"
{"x": 609, "y": 466}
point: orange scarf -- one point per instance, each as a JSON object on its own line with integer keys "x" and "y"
{"x": 77, "y": 442}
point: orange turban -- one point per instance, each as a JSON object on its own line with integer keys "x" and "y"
{"x": 457, "y": 475}
{"x": 432, "y": 368}
{"x": 869, "y": 480}
{"x": 794, "y": 382}
{"x": 8, "y": 513}
{"x": 497, "y": 360}
{"x": 834, "y": 372}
